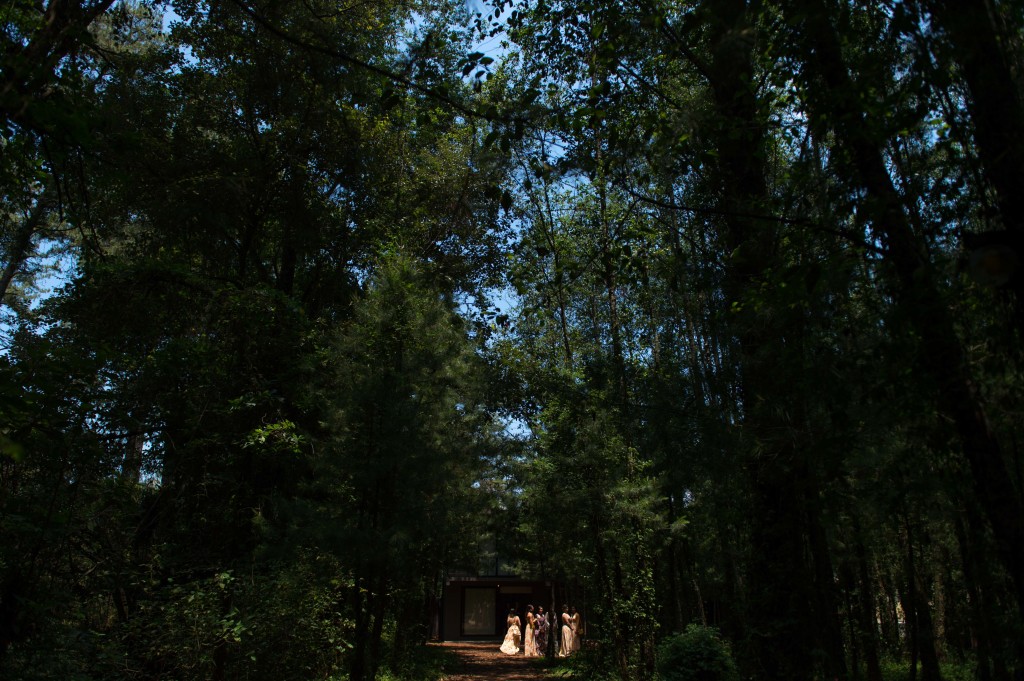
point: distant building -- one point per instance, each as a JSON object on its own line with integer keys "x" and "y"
{"x": 475, "y": 604}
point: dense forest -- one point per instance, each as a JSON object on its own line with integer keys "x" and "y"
{"x": 709, "y": 309}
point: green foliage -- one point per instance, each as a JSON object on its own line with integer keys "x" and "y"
{"x": 426, "y": 663}
{"x": 402, "y": 397}
{"x": 183, "y": 425}
{"x": 697, "y": 654}
{"x": 744, "y": 377}
{"x": 898, "y": 670}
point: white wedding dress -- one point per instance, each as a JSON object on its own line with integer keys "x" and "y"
{"x": 510, "y": 646}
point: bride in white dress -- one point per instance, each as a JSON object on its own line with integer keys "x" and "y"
{"x": 510, "y": 646}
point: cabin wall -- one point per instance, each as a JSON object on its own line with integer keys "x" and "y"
{"x": 476, "y": 609}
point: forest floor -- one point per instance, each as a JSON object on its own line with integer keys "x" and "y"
{"x": 484, "y": 662}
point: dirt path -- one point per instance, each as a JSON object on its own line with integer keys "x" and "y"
{"x": 484, "y": 662}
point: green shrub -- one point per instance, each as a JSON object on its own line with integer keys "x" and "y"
{"x": 899, "y": 670}
{"x": 697, "y": 654}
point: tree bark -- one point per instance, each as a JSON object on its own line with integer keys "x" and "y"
{"x": 996, "y": 110}
{"x": 26, "y": 76}
{"x": 987, "y": 634}
{"x": 923, "y": 629}
{"x": 835, "y": 103}
{"x": 995, "y": 102}
{"x": 827, "y": 611}
{"x": 868, "y": 633}
{"x": 22, "y": 241}
{"x": 780, "y": 629}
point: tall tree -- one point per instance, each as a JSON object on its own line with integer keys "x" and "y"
{"x": 833, "y": 95}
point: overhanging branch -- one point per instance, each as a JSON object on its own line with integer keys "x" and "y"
{"x": 433, "y": 93}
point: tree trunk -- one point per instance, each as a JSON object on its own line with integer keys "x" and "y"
{"x": 29, "y": 71}
{"x": 995, "y": 105}
{"x": 892, "y": 632}
{"x": 380, "y": 601}
{"x": 675, "y": 590}
{"x": 361, "y": 632}
{"x": 867, "y": 630}
{"x": 848, "y": 586}
{"x": 827, "y": 612}
{"x": 835, "y": 103}
{"x": 21, "y": 242}
{"x": 923, "y": 631}
{"x": 978, "y": 578}
{"x": 780, "y": 631}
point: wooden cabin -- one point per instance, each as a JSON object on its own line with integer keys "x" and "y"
{"x": 474, "y": 605}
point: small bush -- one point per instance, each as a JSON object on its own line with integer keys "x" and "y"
{"x": 697, "y": 654}
{"x": 899, "y": 670}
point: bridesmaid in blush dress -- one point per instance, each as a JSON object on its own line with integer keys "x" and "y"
{"x": 540, "y": 639}
{"x": 568, "y": 645}
{"x": 574, "y": 622}
{"x": 529, "y": 646}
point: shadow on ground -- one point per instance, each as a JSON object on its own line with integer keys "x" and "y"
{"x": 484, "y": 662}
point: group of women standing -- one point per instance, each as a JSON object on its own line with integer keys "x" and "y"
{"x": 534, "y": 637}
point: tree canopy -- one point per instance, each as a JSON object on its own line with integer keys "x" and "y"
{"x": 709, "y": 311}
